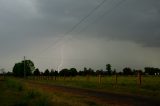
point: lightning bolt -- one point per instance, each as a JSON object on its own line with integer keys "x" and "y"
{"x": 62, "y": 57}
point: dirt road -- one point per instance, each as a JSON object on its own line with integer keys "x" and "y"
{"x": 113, "y": 99}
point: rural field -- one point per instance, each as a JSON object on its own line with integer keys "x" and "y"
{"x": 80, "y": 91}
{"x": 79, "y": 52}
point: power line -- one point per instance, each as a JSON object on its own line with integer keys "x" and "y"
{"x": 99, "y": 18}
{"x": 84, "y": 18}
{"x": 76, "y": 25}
{"x": 24, "y": 67}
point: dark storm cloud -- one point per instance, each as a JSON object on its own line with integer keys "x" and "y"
{"x": 134, "y": 20}
{"x": 29, "y": 26}
{"x": 41, "y": 17}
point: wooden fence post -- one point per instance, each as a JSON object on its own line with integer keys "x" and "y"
{"x": 88, "y": 77}
{"x": 139, "y": 79}
{"x": 64, "y": 77}
{"x": 116, "y": 77}
{"x": 55, "y": 77}
{"x": 99, "y": 77}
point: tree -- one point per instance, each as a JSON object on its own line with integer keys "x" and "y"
{"x": 91, "y": 71}
{"x": 56, "y": 73}
{"x": 127, "y": 71}
{"x": 52, "y": 72}
{"x": 152, "y": 70}
{"x": 29, "y": 66}
{"x": 114, "y": 72}
{"x": 99, "y": 72}
{"x": 88, "y": 71}
{"x": 108, "y": 68}
{"x": 46, "y": 72}
{"x": 36, "y": 72}
{"x": 18, "y": 69}
{"x": 73, "y": 72}
{"x": 68, "y": 72}
{"x": 64, "y": 72}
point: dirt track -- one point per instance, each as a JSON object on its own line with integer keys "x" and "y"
{"x": 105, "y": 97}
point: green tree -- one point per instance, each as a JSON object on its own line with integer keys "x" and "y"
{"x": 64, "y": 72}
{"x": 18, "y": 69}
{"x": 36, "y": 72}
{"x": 73, "y": 72}
{"x": 52, "y": 72}
{"x": 152, "y": 71}
{"x": 46, "y": 73}
{"x": 108, "y": 68}
{"x": 127, "y": 71}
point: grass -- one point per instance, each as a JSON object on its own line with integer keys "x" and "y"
{"x": 15, "y": 93}
{"x": 126, "y": 84}
{"x": 18, "y": 92}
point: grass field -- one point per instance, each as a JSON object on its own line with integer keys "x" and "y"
{"x": 16, "y": 91}
{"x": 125, "y": 84}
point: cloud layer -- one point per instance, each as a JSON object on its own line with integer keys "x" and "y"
{"x": 29, "y": 27}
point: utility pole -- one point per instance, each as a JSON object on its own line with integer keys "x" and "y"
{"x": 24, "y": 68}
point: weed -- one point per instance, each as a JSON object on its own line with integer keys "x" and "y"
{"x": 43, "y": 101}
{"x": 31, "y": 94}
{"x": 15, "y": 85}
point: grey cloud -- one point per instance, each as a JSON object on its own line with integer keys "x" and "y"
{"x": 31, "y": 25}
{"x": 136, "y": 21}
{"x": 40, "y": 18}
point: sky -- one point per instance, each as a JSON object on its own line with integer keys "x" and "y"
{"x": 80, "y": 33}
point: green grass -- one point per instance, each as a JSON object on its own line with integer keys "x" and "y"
{"x": 15, "y": 93}
{"x": 126, "y": 84}
{"x": 18, "y": 92}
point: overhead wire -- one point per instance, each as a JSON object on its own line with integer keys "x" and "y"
{"x": 103, "y": 15}
{"x": 82, "y": 20}
{"x": 74, "y": 27}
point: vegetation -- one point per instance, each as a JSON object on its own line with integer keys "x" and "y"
{"x": 126, "y": 84}
{"x": 36, "y": 72}
{"x": 129, "y": 81}
{"x": 66, "y": 72}
{"x": 152, "y": 71}
{"x": 16, "y": 93}
{"x": 127, "y": 71}
{"x": 108, "y": 68}
{"x": 24, "y": 68}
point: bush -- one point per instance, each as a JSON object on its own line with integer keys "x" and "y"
{"x": 12, "y": 84}
{"x": 31, "y": 94}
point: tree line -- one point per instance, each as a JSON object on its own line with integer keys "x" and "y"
{"x": 27, "y": 68}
